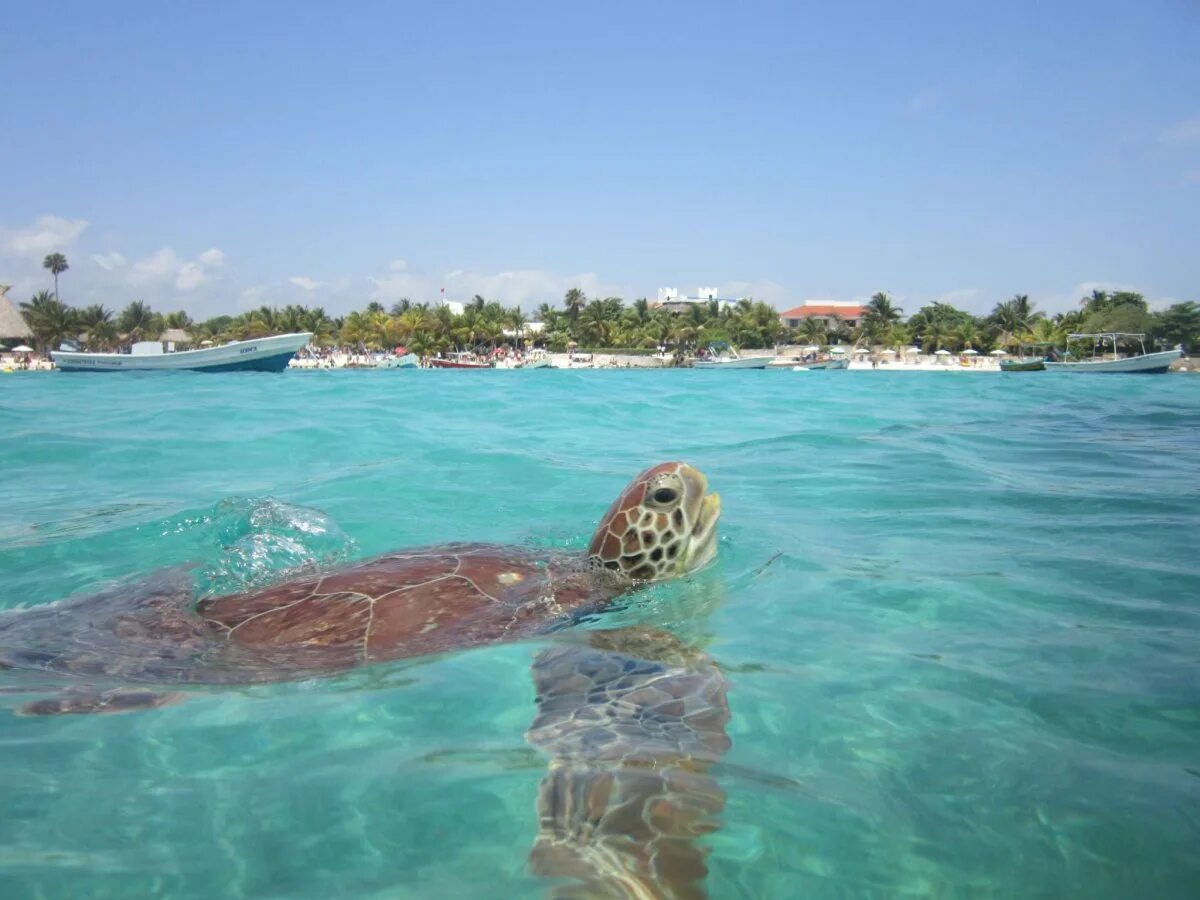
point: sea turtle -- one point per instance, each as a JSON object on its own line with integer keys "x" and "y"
{"x": 403, "y": 604}
{"x": 632, "y": 720}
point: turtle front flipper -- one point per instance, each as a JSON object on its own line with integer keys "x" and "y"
{"x": 633, "y": 720}
{"x": 80, "y": 701}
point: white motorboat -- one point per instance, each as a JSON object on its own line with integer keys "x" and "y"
{"x": 723, "y": 356}
{"x": 823, "y": 365}
{"x": 1141, "y": 363}
{"x": 268, "y": 354}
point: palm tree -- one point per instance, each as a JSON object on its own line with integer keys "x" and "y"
{"x": 97, "y": 323}
{"x": 516, "y": 321}
{"x": 594, "y": 323}
{"x": 933, "y": 336}
{"x": 355, "y": 329}
{"x": 813, "y": 330}
{"x": 1044, "y": 332}
{"x": 50, "y": 320}
{"x": 966, "y": 334}
{"x": 574, "y": 301}
{"x": 178, "y": 320}
{"x": 880, "y": 315}
{"x": 137, "y": 320}
{"x": 57, "y": 264}
{"x": 1014, "y": 316}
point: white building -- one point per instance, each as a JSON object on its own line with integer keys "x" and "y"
{"x": 669, "y": 299}
{"x": 531, "y": 329}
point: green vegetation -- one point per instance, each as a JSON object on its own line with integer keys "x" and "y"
{"x": 57, "y": 264}
{"x": 940, "y": 326}
{"x": 424, "y": 329}
{"x": 607, "y": 323}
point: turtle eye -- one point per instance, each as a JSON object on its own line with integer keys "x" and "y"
{"x": 664, "y": 495}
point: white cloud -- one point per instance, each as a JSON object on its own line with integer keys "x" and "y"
{"x": 47, "y": 235}
{"x": 398, "y": 265}
{"x": 211, "y": 258}
{"x": 303, "y": 281}
{"x": 156, "y": 267}
{"x": 108, "y": 261}
{"x": 1183, "y": 134}
{"x": 165, "y": 266}
{"x": 191, "y": 276}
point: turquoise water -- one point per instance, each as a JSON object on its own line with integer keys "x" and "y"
{"x": 958, "y": 617}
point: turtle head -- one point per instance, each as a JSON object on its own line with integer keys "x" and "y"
{"x": 663, "y": 525}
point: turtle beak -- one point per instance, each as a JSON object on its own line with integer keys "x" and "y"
{"x": 694, "y": 480}
{"x": 702, "y": 543}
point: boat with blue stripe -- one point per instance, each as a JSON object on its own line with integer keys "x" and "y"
{"x": 267, "y": 354}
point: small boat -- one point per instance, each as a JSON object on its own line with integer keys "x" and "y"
{"x": 722, "y": 356}
{"x": 463, "y": 360}
{"x": 268, "y": 354}
{"x": 1140, "y": 363}
{"x": 404, "y": 361}
{"x": 1025, "y": 360}
{"x": 823, "y": 365}
{"x": 1022, "y": 364}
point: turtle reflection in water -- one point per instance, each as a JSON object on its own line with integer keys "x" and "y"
{"x": 631, "y": 719}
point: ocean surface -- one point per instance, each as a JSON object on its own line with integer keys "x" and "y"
{"x": 959, "y": 617}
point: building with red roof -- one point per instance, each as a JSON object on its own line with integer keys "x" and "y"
{"x": 825, "y": 311}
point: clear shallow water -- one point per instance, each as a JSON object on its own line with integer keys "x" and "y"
{"x": 958, "y": 616}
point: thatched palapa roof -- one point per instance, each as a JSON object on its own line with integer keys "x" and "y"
{"x": 178, "y": 335}
{"x": 12, "y": 323}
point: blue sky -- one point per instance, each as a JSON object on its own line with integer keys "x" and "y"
{"x": 216, "y": 156}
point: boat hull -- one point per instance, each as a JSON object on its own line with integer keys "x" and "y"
{"x": 1149, "y": 364}
{"x": 824, "y": 365}
{"x": 454, "y": 364}
{"x": 745, "y": 362}
{"x": 270, "y": 354}
{"x": 1022, "y": 365}
{"x": 408, "y": 361}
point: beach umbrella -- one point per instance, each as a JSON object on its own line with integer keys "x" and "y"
{"x": 206, "y": 343}
{"x": 862, "y": 350}
{"x": 811, "y": 348}
{"x": 837, "y": 350}
{"x": 942, "y": 353}
{"x": 999, "y": 353}
{"x": 889, "y": 352}
{"x": 912, "y": 349}
{"x": 3, "y": 347}
{"x": 969, "y": 352}
{"x": 22, "y": 348}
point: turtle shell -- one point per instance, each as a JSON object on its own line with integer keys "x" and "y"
{"x": 408, "y": 604}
